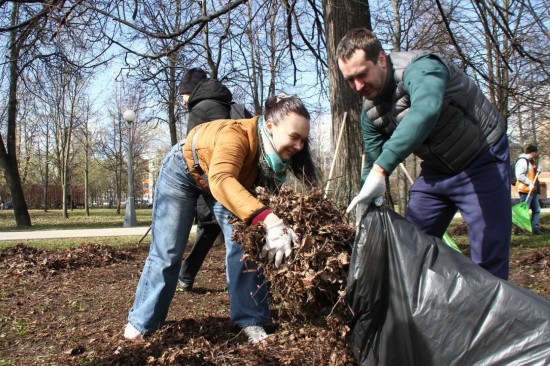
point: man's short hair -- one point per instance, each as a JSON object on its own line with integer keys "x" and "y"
{"x": 362, "y": 39}
{"x": 531, "y": 148}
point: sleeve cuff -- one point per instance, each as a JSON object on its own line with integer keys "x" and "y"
{"x": 261, "y": 216}
{"x": 388, "y": 160}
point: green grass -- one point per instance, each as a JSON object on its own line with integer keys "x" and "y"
{"x": 53, "y": 219}
{"x": 52, "y": 244}
{"x": 518, "y": 241}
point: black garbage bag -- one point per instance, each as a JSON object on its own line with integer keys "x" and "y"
{"x": 416, "y": 301}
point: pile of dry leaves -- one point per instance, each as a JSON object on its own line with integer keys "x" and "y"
{"x": 312, "y": 282}
{"x": 22, "y": 260}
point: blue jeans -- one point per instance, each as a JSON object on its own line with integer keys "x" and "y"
{"x": 482, "y": 194}
{"x": 534, "y": 205}
{"x": 176, "y": 195}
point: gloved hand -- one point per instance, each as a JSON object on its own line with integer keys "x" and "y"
{"x": 374, "y": 186}
{"x": 279, "y": 239}
{"x": 531, "y": 186}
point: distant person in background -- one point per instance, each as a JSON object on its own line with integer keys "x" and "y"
{"x": 207, "y": 100}
{"x": 526, "y": 170}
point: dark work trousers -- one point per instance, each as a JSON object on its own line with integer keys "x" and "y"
{"x": 482, "y": 195}
{"x": 207, "y": 232}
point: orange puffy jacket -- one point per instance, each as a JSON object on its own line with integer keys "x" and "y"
{"x": 228, "y": 154}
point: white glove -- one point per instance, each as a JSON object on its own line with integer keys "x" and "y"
{"x": 374, "y": 186}
{"x": 279, "y": 239}
{"x": 531, "y": 186}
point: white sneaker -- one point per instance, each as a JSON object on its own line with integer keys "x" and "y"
{"x": 132, "y": 333}
{"x": 255, "y": 333}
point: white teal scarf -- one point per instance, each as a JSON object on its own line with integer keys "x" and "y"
{"x": 272, "y": 167}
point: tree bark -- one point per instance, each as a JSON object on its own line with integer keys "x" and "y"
{"x": 8, "y": 152}
{"x": 173, "y": 100}
{"x": 46, "y": 179}
{"x": 341, "y": 16}
{"x": 87, "y": 145}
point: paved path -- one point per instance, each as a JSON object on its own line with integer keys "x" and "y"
{"x": 82, "y": 233}
{"x": 79, "y": 233}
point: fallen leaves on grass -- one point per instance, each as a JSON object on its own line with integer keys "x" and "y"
{"x": 25, "y": 260}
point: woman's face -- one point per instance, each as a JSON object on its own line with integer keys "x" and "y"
{"x": 289, "y": 134}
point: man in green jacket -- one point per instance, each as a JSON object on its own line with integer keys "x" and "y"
{"x": 418, "y": 102}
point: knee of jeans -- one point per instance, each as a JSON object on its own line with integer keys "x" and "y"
{"x": 232, "y": 249}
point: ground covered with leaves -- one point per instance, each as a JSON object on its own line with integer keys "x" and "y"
{"x": 69, "y": 306}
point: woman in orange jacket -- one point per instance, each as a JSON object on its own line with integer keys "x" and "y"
{"x": 223, "y": 160}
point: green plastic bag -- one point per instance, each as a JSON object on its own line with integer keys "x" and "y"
{"x": 450, "y": 242}
{"x": 520, "y": 212}
{"x": 521, "y": 217}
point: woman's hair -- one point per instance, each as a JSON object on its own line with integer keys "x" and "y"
{"x": 278, "y": 106}
{"x": 301, "y": 164}
{"x": 359, "y": 39}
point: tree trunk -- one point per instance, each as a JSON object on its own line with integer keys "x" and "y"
{"x": 47, "y": 170}
{"x": 67, "y": 131}
{"x": 520, "y": 128}
{"x": 254, "y": 79}
{"x": 498, "y": 71}
{"x": 534, "y": 126}
{"x": 87, "y": 145}
{"x": 402, "y": 192}
{"x": 402, "y": 183}
{"x": 8, "y": 154}
{"x": 341, "y": 16}
{"x": 173, "y": 100}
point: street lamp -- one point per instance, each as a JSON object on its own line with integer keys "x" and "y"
{"x": 130, "y": 213}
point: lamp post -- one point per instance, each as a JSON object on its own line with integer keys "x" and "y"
{"x": 130, "y": 213}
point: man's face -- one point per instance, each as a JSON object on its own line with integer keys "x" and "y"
{"x": 363, "y": 76}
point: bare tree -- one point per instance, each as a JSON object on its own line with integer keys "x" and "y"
{"x": 33, "y": 30}
{"x": 84, "y": 136}
{"x": 113, "y": 142}
{"x": 8, "y": 155}
{"x": 159, "y": 76}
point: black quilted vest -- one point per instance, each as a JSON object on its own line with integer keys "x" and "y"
{"x": 468, "y": 123}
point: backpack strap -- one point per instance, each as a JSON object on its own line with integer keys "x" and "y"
{"x": 526, "y": 161}
{"x": 196, "y": 164}
{"x": 238, "y": 111}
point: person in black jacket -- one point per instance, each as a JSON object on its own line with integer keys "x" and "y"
{"x": 207, "y": 100}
